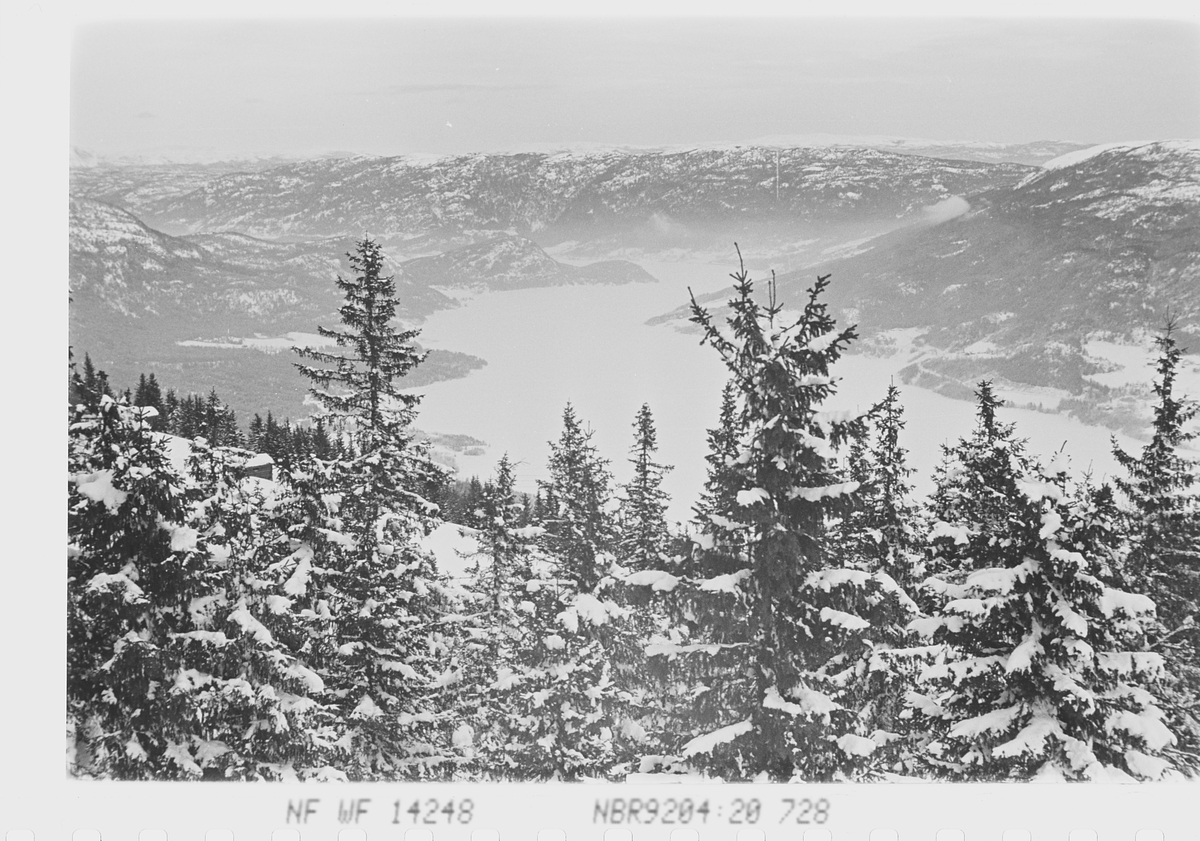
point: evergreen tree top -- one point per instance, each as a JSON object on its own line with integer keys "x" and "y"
{"x": 987, "y": 426}
{"x": 1161, "y": 468}
{"x": 781, "y": 372}
{"x": 361, "y": 382}
{"x": 578, "y": 494}
{"x": 643, "y": 511}
{"x": 992, "y": 450}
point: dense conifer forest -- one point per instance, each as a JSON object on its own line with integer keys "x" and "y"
{"x": 814, "y": 621}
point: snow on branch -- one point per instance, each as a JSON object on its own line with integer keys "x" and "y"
{"x": 923, "y": 704}
{"x": 752, "y": 496}
{"x": 725, "y": 583}
{"x": 1132, "y": 604}
{"x": 117, "y": 581}
{"x": 1130, "y": 662}
{"x": 853, "y": 745}
{"x": 1032, "y": 737}
{"x": 998, "y": 580}
{"x": 960, "y": 534}
{"x": 242, "y": 617}
{"x": 706, "y": 743}
{"x": 654, "y": 579}
{"x": 841, "y": 619}
{"x": 774, "y": 701}
{"x": 98, "y": 487}
{"x": 961, "y": 670}
{"x": 820, "y": 446}
{"x": 1145, "y": 727}
{"x": 823, "y": 492}
{"x": 814, "y": 702}
{"x": 1148, "y": 767}
{"x": 1051, "y": 523}
{"x": 311, "y": 680}
{"x": 297, "y": 583}
{"x": 827, "y": 579}
{"x": 670, "y": 650}
{"x": 1036, "y": 491}
{"x": 1022, "y": 656}
{"x": 818, "y": 344}
{"x": 590, "y": 609}
{"x": 835, "y": 417}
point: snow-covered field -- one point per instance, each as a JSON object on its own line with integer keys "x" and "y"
{"x": 1133, "y": 364}
{"x": 266, "y": 344}
{"x": 591, "y": 346}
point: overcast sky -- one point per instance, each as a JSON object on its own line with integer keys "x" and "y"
{"x": 426, "y": 86}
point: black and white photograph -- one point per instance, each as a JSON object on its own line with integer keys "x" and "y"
{"x": 645, "y": 399}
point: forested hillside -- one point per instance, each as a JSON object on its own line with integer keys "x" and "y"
{"x": 814, "y": 621}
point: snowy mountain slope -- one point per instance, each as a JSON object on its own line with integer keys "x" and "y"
{"x": 1100, "y": 245}
{"x": 230, "y": 284}
{"x": 143, "y": 300}
{"x": 137, "y": 294}
{"x": 1111, "y": 244}
{"x": 553, "y": 197}
{"x": 122, "y": 268}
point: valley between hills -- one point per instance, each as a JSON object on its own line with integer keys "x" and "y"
{"x": 1048, "y": 273}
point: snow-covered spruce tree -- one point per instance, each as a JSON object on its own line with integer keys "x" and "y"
{"x": 665, "y": 702}
{"x": 256, "y": 696}
{"x": 721, "y": 487}
{"x": 562, "y": 714}
{"x": 643, "y": 519}
{"x": 773, "y": 712}
{"x": 1045, "y": 673}
{"x": 718, "y": 550}
{"x": 879, "y": 534}
{"x": 975, "y": 506}
{"x": 881, "y": 531}
{"x": 170, "y": 675}
{"x": 645, "y": 544}
{"x": 132, "y": 570}
{"x": 562, "y": 710}
{"x": 581, "y": 533}
{"x": 358, "y": 520}
{"x": 494, "y": 630}
{"x": 503, "y": 562}
{"x": 1162, "y": 489}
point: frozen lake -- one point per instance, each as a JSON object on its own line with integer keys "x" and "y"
{"x": 590, "y": 345}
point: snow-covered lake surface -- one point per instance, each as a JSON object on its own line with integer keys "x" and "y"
{"x": 590, "y": 345}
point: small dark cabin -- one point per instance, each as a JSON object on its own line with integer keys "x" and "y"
{"x": 262, "y": 466}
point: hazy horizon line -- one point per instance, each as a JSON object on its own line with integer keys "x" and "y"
{"x": 208, "y": 154}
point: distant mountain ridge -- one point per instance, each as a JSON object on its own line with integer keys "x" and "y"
{"x": 555, "y": 197}
{"x": 1031, "y": 153}
{"x": 1023, "y": 152}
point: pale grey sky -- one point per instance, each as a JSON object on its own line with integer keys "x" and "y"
{"x": 448, "y": 86}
